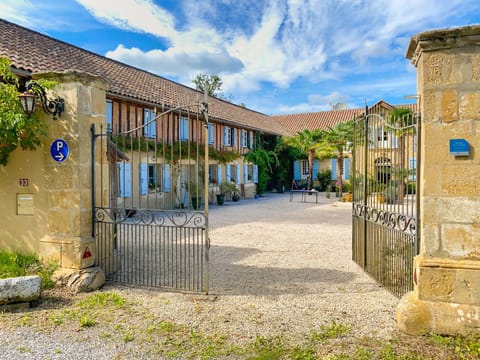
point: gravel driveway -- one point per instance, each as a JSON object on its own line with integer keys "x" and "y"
{"x": 277, "y": 268}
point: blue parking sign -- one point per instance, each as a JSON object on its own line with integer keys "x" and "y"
{"x": 59, "y": 150}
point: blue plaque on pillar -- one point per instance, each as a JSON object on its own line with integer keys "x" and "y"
{"x": 459, "y": 147}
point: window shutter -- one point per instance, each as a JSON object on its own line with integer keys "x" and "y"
{"x": 210, "y": 134}
{"x": 394, "y": 141}
{"x": 372, "y": 137}
{"x": 239, "y": 178}
{"x": 184, "y": 130}
{"x": 125, "y": 183}
{"x": 316, "y": 167}
{"x": 226, "y": 129}
{"x": 251, "y": 140}
{"x": 143, "y": 178}
{"x": 166, "y": 178}
{"x": 234, "y": 140}
{"x": 255, "y": 174}
{"x": 219, "y": 174}
{"x": 334, "y": 169}
{"x": 296, "y": 170}
{"x": 346, "y": 168}
{"x": 245, "y": 173}
{"x": 228, "y": 171}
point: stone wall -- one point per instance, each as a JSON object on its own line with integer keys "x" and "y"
{"x": 59, "y": 226}
{"x": 447, "y": 294}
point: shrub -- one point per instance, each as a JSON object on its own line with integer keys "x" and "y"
{"x": 324, "y": 178}
{"x": 13, "y": 265}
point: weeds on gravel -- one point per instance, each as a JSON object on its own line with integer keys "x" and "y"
{"x": 330, "y": 332}
{"x": 462, "y": 346}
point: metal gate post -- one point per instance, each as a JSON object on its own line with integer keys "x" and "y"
{"x": 92, "y": 150}
{"x": 365, "y": 187}
{"x": 207, "y": 239}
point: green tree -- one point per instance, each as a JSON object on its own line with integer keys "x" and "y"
{"x": 338, "y": 139}
{"x": 16, "y": 128}
{"x": 401, "y": 121}
{"x": 308, "y": 142}
{"x": 212, "y": 83}
{"x": 265, "y": 161}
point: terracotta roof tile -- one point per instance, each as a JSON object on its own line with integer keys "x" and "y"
{"x": 323, "y": 120}
{"x": 316, "y": 120}
{"x": 37, "y": 53}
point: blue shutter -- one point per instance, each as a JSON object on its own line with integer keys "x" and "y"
{"x": 234, "y": 140}
{"x": 245, "y": 173}
{"x": 125, "y": 183}
{"x": 226, "y": 129}
{"x": 210, "y": 134}
{"x": 296, "y": 170}
{"x": 184, "y": 130}
{"x": 316, "y": 168}
{"x": 346, "y": 168}
{"x": 239, "y": 178}
{"x": 219, "y": 174}
{"x": 143, "y": 179}
{"x": 228, "y": 171}
{"x": 166, "y": 178}
{"x": 251, "y": 140}
{"x": 334, "y": 169}
{"x": 394, "y": 141}
{"x": 255, "y": 174}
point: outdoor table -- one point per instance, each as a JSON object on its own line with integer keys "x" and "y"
{"x": 304, "y": 194}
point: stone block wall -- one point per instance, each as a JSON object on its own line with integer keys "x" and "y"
{"x": 447, "y": 295}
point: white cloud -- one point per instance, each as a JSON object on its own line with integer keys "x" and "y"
{"x": 266, "y": 44}
{"x": 142, "y": 16}
{"x": 330, "y": 99}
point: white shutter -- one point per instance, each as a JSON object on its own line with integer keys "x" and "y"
{"x": 255, "y": 174}
{"x": 234, "y": 140}
{"x": 245, "y": 173}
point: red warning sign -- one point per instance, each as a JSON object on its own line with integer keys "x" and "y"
{"x": 86, "y": 253}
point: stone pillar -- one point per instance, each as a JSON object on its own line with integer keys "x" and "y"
{"x": 68, "y": 184}
{"x": 446, "y": 298}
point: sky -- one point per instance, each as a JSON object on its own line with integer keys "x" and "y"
{"x": 274, "y": 56}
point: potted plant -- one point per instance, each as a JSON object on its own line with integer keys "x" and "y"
{"x": 227, "y": 187}
{"x": 328, "y": 191}
{"x": 194, "y": 195}
{"x": 152, "y": 187}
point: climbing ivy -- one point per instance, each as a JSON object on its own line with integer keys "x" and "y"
{"x": 173, "y": 152}
{"x": 16, "y": 128}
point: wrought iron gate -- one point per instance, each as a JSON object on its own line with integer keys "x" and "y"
{"x": 386, "y": 163}
{"x": 150, "y": 202}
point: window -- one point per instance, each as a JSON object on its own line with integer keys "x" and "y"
{"x": 109, "y": 116}
{"x": 244, "y": 138}
{"x": 184, "y": 129}
{"x": 212, "y": 174}
{"x": 149, "y": 124}
{"x": 304, "y": 167}
{"x": 227, "y": 136}
{"x": 210, "y": 134}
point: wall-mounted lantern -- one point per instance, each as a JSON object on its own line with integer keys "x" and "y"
{"x": 33, "y": 91}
